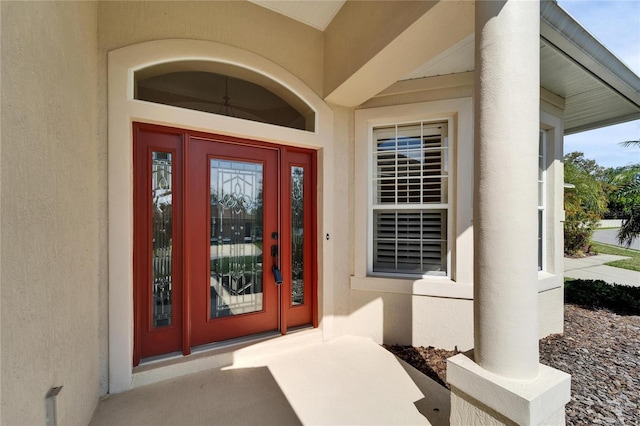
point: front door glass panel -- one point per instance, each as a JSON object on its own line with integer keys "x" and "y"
{"x": 236, "y": 237}
{"x": 162, "y": 237}
{"x": 297, "y": 235}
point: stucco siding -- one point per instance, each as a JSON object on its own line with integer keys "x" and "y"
{"x": 551, "y": 311}
{"x": 343, "y": 214}
{"x": 50, "y": 211}
{"x": 405, "y": 319}
{"x": 291, "y": 44}
{"x": 445, "y": 323}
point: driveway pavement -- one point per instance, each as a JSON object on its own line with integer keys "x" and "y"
{"x": 608, "y": 236}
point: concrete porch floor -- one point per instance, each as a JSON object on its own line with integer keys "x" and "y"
{"x": 345, "y": 381}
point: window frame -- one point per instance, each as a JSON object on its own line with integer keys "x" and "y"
{"x": 542, "y": 201}
{"x": 372, "y": 207}
{"x": 459, "y": 111}
{"x": 551, "y": 277}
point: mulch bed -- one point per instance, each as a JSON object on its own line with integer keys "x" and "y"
{"x": 430, "y": 361}
{"x": 599, "y": 348}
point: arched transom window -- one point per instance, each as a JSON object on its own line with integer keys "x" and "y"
{"x": 223, "y": 89}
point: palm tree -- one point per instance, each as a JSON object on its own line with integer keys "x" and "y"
{"x": 629, "y": 181}
{"x": 630, "y": 143}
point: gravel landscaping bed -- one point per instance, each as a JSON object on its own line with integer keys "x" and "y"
{"x": 601, "y": 351}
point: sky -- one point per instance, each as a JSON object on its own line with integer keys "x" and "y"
{"x": 616, "y": 24}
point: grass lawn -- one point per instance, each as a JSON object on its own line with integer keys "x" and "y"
{"x": 632, "y": 264}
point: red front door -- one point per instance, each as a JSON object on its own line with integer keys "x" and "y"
{"x": 213, "y": 217}
{"x": 232, "y": 225}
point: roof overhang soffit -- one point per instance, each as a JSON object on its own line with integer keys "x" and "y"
{"x": 599, "y": 89}
{"x": 561, "y": 31}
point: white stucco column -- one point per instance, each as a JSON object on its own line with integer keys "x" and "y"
{"x": 507, "y": 105}
{"x": 502, "y": 382}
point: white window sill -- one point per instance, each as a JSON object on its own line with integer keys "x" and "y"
{"x": 437, "y": 286}
{"x": 548, "y": 281}
{"x": 432, "y": 286}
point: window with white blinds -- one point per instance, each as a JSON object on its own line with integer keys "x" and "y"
{"x": 410, "y": 198}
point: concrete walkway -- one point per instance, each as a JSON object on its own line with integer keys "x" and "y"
{"x": 594, "y": 268}
{"x": 348, "y": 380}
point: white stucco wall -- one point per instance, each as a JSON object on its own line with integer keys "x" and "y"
{"x": 551, "y": 312}
{"x": 294, "y": 46}
{"x": 417, "y": 320}
{"x": 343, "y": 158}
{"x": 50, "y": 211}
{"x": 441, "y": 322}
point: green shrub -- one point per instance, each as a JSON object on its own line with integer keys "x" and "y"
{"x": 578, "y": 231}
{"x": 594, "y": 294}
{"x": 584, "y": 204}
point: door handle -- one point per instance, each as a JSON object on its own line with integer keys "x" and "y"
{"x": 277, "y": 275}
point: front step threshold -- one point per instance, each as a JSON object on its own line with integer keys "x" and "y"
{"x": 231, "y": 354}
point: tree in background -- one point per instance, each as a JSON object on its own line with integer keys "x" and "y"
{"x": 626, "y": 198}
{"x": 584, "y": 204}
{"x": 616, "y": 178}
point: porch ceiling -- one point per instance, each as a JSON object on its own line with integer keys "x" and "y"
{"x": 598, "y": 89}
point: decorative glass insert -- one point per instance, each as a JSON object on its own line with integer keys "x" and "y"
{"x": 410, "y": 198}
{"x": 162, "y": 236}
{"x": 236, "y": 237}
{"x": 297, "y": 235}
{"x": 223, "y": 89}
